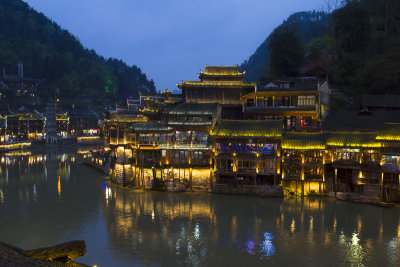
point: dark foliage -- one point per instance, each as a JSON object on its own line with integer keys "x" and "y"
{"x": 52, "y": 53}
{"x": 286, "y": 52}
{"x": 306, "y": 25}
{"x": 367, "y": 41}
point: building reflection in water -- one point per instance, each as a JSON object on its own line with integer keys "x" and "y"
{"x": 200, "y": 229}
{"x": 196, "y": 229}
{"x": 38, "y": 202}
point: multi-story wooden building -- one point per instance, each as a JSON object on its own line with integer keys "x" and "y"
{"x": 390, "y": 160}
{"x": 246, "y": 153}
{"x": 189, "y": 144}
{"x": 218, "y": 84}
{"x": 25, "y": 126}
{"x": 301, "y": 102}
{"x": 83, "y": 123}
{"x": 173, "y": 151}
{"x": 304, "y": 156}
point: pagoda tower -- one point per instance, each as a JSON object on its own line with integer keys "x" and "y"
{"x": 218, "y": 84}
{"x": 51, "y": 123}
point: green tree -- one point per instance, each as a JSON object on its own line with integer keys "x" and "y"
{"x": 286, "y": 52}
{"x": 352, "y": 29}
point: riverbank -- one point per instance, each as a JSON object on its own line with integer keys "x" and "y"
{"x": 264, "y": 192}
{"x": 269, "y": 191}
{"x": 64, "y": 142}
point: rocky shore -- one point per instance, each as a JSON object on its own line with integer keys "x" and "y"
{"x": 59, "y": 255}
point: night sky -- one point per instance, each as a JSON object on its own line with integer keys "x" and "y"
{"x": 171, "y": 40}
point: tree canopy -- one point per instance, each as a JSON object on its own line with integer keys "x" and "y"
{"x": 286, "y": 52}
{"x": 52, "y": 53}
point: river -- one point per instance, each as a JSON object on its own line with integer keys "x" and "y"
{"x": 48, "y": 198}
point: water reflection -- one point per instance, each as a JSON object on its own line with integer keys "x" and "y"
{"x": 48, "y": 197}
{"x": 201, "y": 229}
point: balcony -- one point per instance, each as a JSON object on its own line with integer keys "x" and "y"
{"x": 200, "y": 162}
{"x": 274, "y": 109}
{"x": 292, "y": 160}
{"x": 390, "y": 167}
{"x": 292, "y": 176}
{"x": 245, "y": 152}
{"x": 246, "y": 170}
{"x": 312, "y": 177}
{"x": 266, "y": 171}
{"x": 225, "y": 170}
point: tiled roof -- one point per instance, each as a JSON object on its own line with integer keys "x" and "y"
{"x": 229, "y": 84}
{"x": 189, "y": 123}
{"x": 280, "y": 109}
{"x": 150, "y": 127}
{"x": 390, "y": 133}
{"x": 248, "y": 128}
{"x": 352, "y": 140}
{"x": 193, "y": 109}
{"x": 222, "y": 70}
{"x": 304, "y": 141}
{"x": 295, "y": 84}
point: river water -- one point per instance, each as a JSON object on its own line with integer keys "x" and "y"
{"x": 48, "y": 198}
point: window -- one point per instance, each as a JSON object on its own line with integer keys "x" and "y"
{"x": 306, "y": 121}
{"x": 250, "y": 102}
{"x": 284, "y": 85}
{"x": 278, "y": 101}
{"x": 146, "y": 139}
{"x": 286, "y": 101}
{"x": 113, "y": 133}
{"x": 269, "y": 101}
{"x": 306, "y": 100}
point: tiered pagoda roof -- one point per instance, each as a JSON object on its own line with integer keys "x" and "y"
{"x": 218, "y": 72}
{"x": 193, "y": 109}
{"x": 156, "y": 127}
{"x": 390, "y": 133}
{"x": 352, "y": 140}
{"x": 304, "y": 141}
{"x": 248, "y": 128}
{"x": 218, "y": 76}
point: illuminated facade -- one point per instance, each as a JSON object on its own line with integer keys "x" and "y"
{"x": 302, "y": 103}
{"x": 173, "y": 151}
{"x": 218, "y": 84}
{"x": 247, "y": 153}
{"x": 186, "y": 142}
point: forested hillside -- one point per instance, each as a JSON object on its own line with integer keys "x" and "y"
{"x": 367, "y": 46}
{"x": 52, "y": 53}
{"x": 307, "y": 25}
{"x": 363, "y": 36}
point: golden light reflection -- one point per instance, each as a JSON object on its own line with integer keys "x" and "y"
{"x": 234, "y": 227}
{"x": 59, "y": 186}
{"x": 398, "y": 231}
{"x": 334, "y": 224}
{"x": 293, "y": 226}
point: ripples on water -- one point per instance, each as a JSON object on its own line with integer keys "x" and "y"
{"x": 49, "y": 198}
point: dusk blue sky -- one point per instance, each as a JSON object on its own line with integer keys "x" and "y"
{"x": 171, "y": 40}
